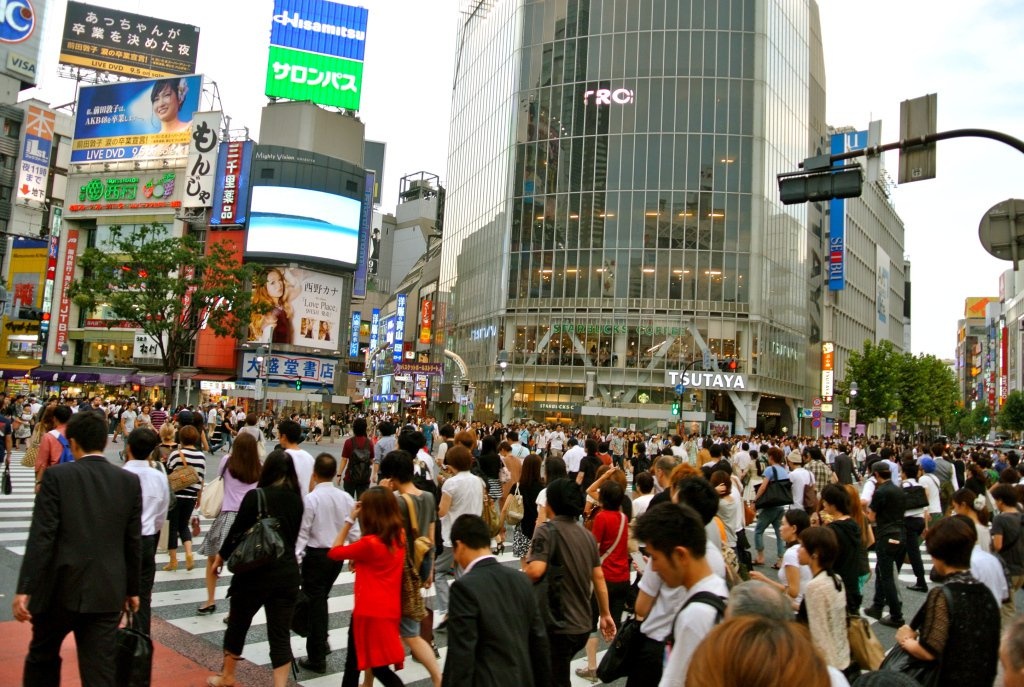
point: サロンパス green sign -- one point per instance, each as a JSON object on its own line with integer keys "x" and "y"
{"x": 322, "y": 79}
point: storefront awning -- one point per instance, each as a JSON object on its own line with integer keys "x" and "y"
{"x": 64, "y": 376}
{"x": 150, "y": 379}
{"x": 11, "y": 372}
{"x": 211, "y": 377}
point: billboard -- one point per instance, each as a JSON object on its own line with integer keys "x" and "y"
{"x": 21, "y": 31}
{"x": 35, "y": 155}
{"x": 399, "y": 350}
{"x": 316, "y": 52}
{"x": 828, "y": 374}
{"x": 127, "y": 44}
{"x": 290, "y": 366}
{"x": 883, "y": 272}
{"x": 365, "y": 222}
{"x": 136, "y": 120}
{"x": 305, "y": 309}
{"x": 841, "y": 143}
{"x": 303, "y": 224}
{"x": 202, "y": 158}
{"x": 64, "y": 312}
{"x": 231, "y": 189}
{"x": 353, "y": 342}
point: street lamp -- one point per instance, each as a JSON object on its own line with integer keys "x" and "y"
{"x": 63, "y": 354}
{"x": 853, "y": 411}
{"x": 263, "y": 360}
{"x": 502, "y": 364}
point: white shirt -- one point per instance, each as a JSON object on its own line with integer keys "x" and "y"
{"x": 679, "y": 451}
{"x": 520, "y": 451}
{"x": 931, "y": 487}
{"x": 473, "y": 563}
{"x": 467, "y": 494}
{"x": 323, "y": 516}
{"x": 573, "y": 457}
{"x": 641, "y": 503}
{"x": 156, "y": 495}
{"x": 691, "y": 626}
{"x": 668, "y": 600}
{"x": 988, "y": 570}
{"x": 800, "y": 478}
{"x": 303, "y": 462}
{"x": 741, "y": 461}
{"x": 128, "y": 418}
{"x": 792, "y": 559}
{"x": 556, "y": 440}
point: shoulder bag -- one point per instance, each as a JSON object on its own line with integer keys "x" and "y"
{"x": 491, "y": 514}
{"x": 183, "y": 476}
{"x": 261, "y": 544}
{"x": 7, "y": 487}
{"x": 516, "y": 508}
{"x": 925, "y": 673}
{"x": 778, "y": 493}
{"x": 32, "y": 448}
{"x": 548, "y": 589}
{"x": 422, "y": 547}
{"x": 134, "y": 657}
{"x": 618, "y": 660}
{"x": 865, "y": 649}
{"x": 212, "y": 499}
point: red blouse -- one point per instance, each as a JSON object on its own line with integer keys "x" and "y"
{"x": 378, "y": 587}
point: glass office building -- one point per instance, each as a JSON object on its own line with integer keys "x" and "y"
{"x": 613, "y": 215}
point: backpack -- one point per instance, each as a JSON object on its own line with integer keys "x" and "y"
{"x": 916, "y": 496}
{"x": 65, "y": 455}
{"x": 709, "y": 598}
{"x": 360, "y": 464}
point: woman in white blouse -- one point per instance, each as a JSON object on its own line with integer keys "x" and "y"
{"x": 793, "y": 577}
{"x": 824, "y": 605}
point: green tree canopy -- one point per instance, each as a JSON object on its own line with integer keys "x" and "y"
{"x": 168, "y": 287}
{"x": 1011, "y": 416}
{"x": 877, "y": 373}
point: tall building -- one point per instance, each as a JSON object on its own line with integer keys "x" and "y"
{"x": 613, "y": 217}
{"x": 975, "y": 348}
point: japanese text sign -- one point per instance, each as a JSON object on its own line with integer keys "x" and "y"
{"x": 125, "y": 43}
{"x": 231, "y": 190}
{"x": 202, "y": 158}
{"x": 374, "y": 329}
{"x": 64, "y": 313}
{"x": 35, "y": 155}
{"x": 398, "y": 350}
{"x": 322, "y": 79}
{"x": 353, "y": 344}
{"x": 286, "y": 366}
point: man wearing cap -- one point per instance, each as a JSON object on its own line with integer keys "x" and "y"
{"x": 888, "y": 508}
{"x": 563, "y": 539}
{"x": 800, "y": 477}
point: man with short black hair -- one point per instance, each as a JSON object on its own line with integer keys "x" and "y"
{"x": 387, "y": 443}
{"x": 561, "y": 539}
{"x": 492, "y": 640}
{"x": 573, "y": 457}
{"x": 290, "y": 436}
{"x": 888, "y": 508}
{"x": 156, "y": 498}
{"x": 98, "y": 575}
{"x": 676, "y": 541}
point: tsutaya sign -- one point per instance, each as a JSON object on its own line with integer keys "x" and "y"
{"x": 706, "y": 380}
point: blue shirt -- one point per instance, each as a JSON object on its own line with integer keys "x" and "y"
{"x": 776, "y": 472}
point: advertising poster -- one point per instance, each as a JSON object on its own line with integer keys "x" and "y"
{"x": 306, "y": 224}
{"x": 231, "y": 190}
{"x": 21, "y": 31}
{"x": 202, "y": 160}
{"x": 136, "y": 120}
{"x": 35, "y": 155}
{"x": 125, "y": 43}
{"x": 305, "y": 309}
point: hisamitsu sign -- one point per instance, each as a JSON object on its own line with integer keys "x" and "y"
{"x": 706, "y": 380}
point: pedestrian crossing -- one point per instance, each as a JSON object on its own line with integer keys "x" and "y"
{"x": 177, "y": 595}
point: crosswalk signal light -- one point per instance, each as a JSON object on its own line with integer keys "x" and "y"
{"x": 675, "y": 407}
{"x": 298, "y": 385}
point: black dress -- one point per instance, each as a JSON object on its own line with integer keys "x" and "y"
{"x": 847, "y": 565}
{"x": 966, "y": 635}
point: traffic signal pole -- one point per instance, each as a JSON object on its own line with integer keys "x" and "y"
{"x": 906, "y": 144}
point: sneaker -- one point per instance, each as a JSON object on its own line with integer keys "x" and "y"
{"x": 587, "y": 674}
{"x": 889, "y": 621}
{"x": 873, "y": 612}
{"x": 919, "y": 587}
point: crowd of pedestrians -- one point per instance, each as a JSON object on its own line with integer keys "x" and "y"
{"x": 615, "y": 532}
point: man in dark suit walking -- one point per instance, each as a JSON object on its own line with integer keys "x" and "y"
{"x": 496, "y": 636}
{"x": 82, "y": 561}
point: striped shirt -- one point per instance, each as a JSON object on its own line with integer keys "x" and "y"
{"x": 194, "y": 458}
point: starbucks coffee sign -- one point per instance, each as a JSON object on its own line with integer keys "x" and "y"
{"x": 694, "y": 379}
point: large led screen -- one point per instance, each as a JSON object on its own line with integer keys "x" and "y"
{"x": 298, "y": 223}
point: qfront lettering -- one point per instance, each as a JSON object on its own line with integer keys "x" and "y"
{"x": 708, "y": 380}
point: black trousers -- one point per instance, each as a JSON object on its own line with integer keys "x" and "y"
{"x": 563, "y": 649}
{"x": 94, "y": 640}
{"x": 915, "y": 527}
{"x": 278, "y": 605}
{"x": 647, "y": 666}
{"x": 148, "y": 574}
{"x": 318, "y": 576}
{"x": 180, "y": 518}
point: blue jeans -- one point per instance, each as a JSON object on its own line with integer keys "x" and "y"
{"x": 773, "y": 517}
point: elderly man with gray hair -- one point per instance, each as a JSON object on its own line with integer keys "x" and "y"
{"x": 762, "y": 599}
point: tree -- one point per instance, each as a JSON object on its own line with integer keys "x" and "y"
{"x": 167, "y": 287}
{"x": 876, "y": 371}
{"x": 1011, "y": 416}
{"x": 935, "y": 390}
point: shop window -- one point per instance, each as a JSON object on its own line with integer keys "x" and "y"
{"x": 108, "y": 354}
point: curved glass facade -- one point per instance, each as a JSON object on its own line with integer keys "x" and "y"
{"x": 636, "y": 211}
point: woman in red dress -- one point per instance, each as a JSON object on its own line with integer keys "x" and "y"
{"x": 373, "y": 638}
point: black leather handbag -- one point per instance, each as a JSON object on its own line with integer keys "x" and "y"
{"x": 618, "y": 659}
{"x": 134, "y": 655}
{"x": 779, "y": 492}
{"x": 261, "y": 544}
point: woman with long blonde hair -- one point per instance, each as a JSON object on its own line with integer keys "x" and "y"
{"x": 275, "y": 325}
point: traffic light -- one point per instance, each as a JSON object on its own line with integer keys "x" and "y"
{"x": 845, "y": 182}
{"x": 298, "y": 385}
{"x": 727, "y": 365}
{"x": 675, "y": 407}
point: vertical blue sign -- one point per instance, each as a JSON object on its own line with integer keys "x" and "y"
{"x": 353, "y": 344}
{"x": 398, "y": 350}
{"x": 841, "y": 143}
{"x": 365, "y": 226}
{"x": 374, "y": 330}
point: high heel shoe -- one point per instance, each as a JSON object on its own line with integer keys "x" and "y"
{"x": 499, "y": 549}
{"x": 172, "y": 565}
{"x": 189, "y": 561}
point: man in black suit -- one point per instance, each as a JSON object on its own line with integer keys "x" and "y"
{"x": 496, "y": 636}
{"x": 82, "y": 561}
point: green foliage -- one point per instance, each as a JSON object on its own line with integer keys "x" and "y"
{"x": 1011, "y": 416}
{"x": 167, "y": 286}
{"x": 920, "y": 390}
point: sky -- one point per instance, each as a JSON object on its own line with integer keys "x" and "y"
{"x": 877, "y": 53}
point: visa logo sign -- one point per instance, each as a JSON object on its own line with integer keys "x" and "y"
{"x": 19, "y": 64}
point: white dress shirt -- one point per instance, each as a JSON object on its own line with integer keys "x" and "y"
{"x": 573, "y": 457}
{"x": 156, "y": 495}
{"x": 303, "y": 462}
{"x": 326, "y": 508}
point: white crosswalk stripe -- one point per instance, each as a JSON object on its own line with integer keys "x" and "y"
{"x": 176, "y": 595}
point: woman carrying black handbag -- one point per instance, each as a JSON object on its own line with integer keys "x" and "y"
{"x": 774, "y": 493}
{"x": 274, "y": 585}
{"x": 959, "y": 619}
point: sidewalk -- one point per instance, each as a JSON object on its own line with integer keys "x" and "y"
{"x": 169, "y": 666}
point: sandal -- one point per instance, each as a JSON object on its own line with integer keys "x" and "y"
{"x": 218, "y": 681}
{"x": 777, "y": 565}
